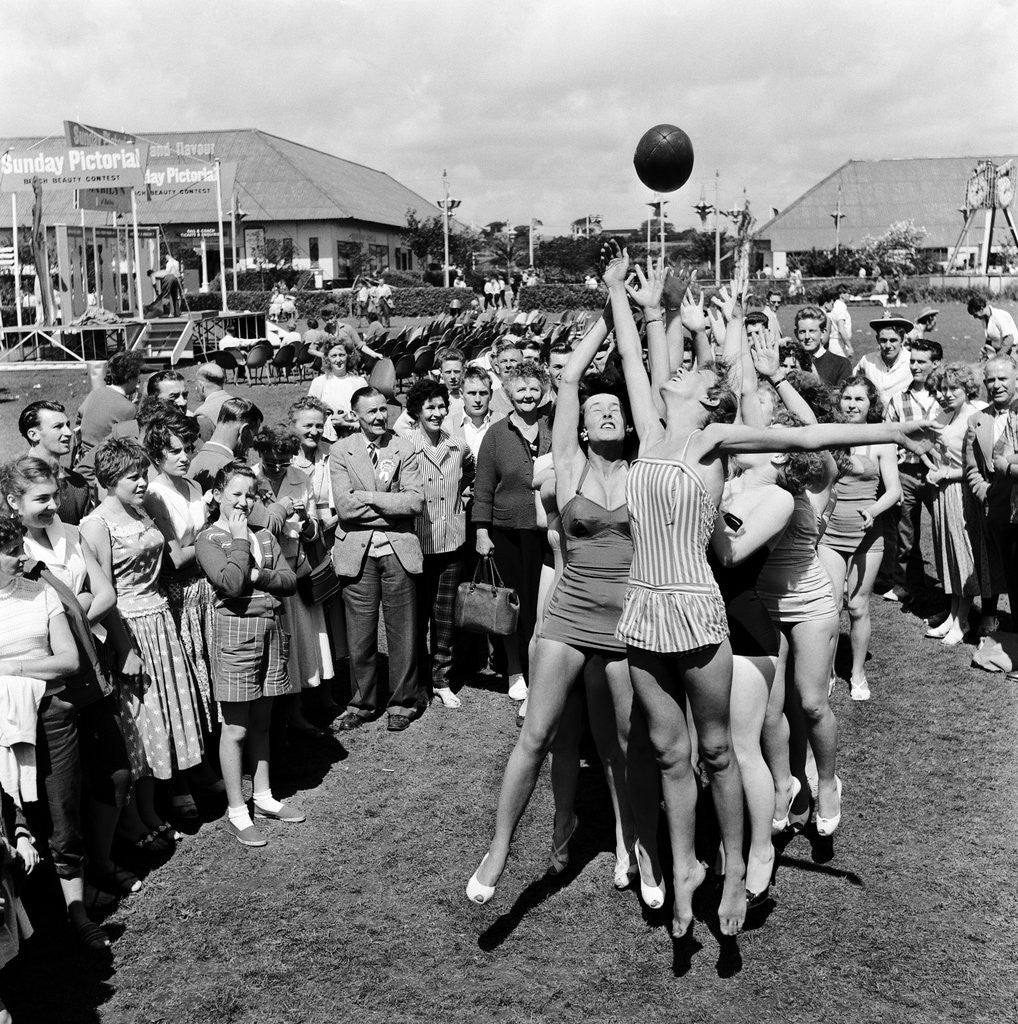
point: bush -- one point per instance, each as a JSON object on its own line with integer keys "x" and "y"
{"x": 556, "y": 297}
{"x": 404, "y": 278}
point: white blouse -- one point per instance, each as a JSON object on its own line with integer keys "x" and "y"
{"x": 63, "y": 557}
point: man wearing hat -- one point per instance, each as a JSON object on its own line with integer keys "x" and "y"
{"x": 925, "y": 322}
{"x": 888, "y": 368}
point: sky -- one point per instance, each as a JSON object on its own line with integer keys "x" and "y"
{"x": 535, "y": 106}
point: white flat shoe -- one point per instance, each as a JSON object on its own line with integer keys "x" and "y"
{"x": 652, "y": 895}
{"x": 447, "y": 698}
{"x": 826, "y": 826}
{"x": 939, "y": 632}
{"x": 477, "y": 892}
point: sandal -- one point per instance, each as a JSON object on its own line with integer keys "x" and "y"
{"x": 117, "y": 880}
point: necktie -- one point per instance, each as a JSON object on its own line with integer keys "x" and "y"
{"x": 373, "y": 455}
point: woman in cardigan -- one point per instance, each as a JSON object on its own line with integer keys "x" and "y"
{"x": 504, "y": 511}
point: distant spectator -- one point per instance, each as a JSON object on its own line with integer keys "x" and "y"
{"x": 998, "y": 327}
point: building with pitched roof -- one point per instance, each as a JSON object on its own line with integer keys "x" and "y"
{"x": 326, "y": 210}
{"x": 871, "y": 195}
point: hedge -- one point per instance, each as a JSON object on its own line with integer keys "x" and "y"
{"x": 555, "y": 297}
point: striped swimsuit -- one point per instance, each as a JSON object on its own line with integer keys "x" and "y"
{"x": 672, "y": 603}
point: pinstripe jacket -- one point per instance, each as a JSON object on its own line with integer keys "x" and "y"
{"x": 366, "y": 501}
{"x": 445, "y": 470}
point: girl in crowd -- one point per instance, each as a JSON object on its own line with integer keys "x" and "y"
{"x": 446, "y": 467}
{"x": 249, "y": 576}
{"x": 504, "y": 506}
{"x": 673, "y": 620}
{"x": 853, "y": 543}
{"x": 38, "y": 649}
{"x": 177, "y": 507}
{"x": 337, "y": 383}
{"x": 577, "y": 636}
{"x": 160, "y": 703}
{"x": 31, "y": 490}
{"x": 310, "y": 660}
{"x": 955, "y": 521}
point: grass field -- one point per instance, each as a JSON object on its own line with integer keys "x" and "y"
{"x": 359, "y": 914}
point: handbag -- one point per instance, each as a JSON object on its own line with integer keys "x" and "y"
{"x": 317, "y": 581}
{"x": 487, "y": 606}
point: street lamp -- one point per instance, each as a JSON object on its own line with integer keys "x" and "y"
{"x": 446, "y": 205}
{"x": 657, "y": 210}
{"x": 837, "y": 217}
{"x": 534, "y": 223}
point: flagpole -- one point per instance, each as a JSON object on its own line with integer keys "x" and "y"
{"x": 233, "y": 236}
{"x": 17, "y": 258}
{"x": 137, "y": 257}
{"x": 222, "y": 244}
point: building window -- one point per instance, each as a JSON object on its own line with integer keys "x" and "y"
{"x": 347, "y": 254}
{"x": 378, "y": 257}
{"x": 404, "y": 259}
{"x": 313, "y": 251}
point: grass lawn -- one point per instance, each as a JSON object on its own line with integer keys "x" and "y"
{"x": 359, "y": 914}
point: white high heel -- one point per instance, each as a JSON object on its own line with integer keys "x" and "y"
{"x": 478, "y": 892}
{"x": 625, "y": 870}
{"x": 652, "y": 895}
{"x": 826, "y": 826}
{"x": 780, "y": 824}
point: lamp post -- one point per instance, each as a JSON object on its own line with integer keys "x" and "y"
{"x": 657, "y": 209}
{"x": 510, "y": 235}
{"x": 837, "y": 217}
{"x": 534, "y": 223}
{"x": 717, "y": 231}
{"x": 446, "y": 205}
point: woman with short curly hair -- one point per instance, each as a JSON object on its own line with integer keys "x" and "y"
{"x": 337, "y": 382}
{"x": 955, "y": 522}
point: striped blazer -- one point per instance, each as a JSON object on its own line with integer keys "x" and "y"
{"x": 445, "y": 470}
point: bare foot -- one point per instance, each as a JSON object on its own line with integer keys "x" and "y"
{"x": 686, "y": 883}
{"x": 732, "y": 908}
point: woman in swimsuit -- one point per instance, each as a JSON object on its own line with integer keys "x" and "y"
{"x": 673, "y": 619}
{"x": 578, "y": 633}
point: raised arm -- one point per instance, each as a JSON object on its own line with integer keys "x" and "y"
{"x": 767, "y": 360}
{"x": 729, "y": 437}
{"x": 641, "y": 399}
{"x": 648, "y": 297}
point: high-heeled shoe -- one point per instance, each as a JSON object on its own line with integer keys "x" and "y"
{"x": 559, "y": 859}
{"x": 798, "y": 821}
{"x": 626, "y": 870}
{"x": 652, "y": 895}
{"x": 826, "y": 826}
{"x": 478, "y": 892}
{"x": 780, "y": 824}
{"x": 755, "y": 899}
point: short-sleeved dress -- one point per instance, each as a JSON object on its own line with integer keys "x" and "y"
{"x": 672, "y": 603}
{"x": 189, "y": 592}
{"x": 161, "y": 707}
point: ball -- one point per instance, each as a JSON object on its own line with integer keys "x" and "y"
{"x": 664, "y": 158}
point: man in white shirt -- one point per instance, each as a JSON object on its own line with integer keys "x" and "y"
{"x": 383, "y": 301}
{"x": 839, "y": 320}
{"x": 888, "y": 369}
{"x": 998, "y": 327}
{"x": 471, "y": 423}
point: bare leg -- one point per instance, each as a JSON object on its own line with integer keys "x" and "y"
{"x": 565, "y": 766}
{"x": 236, "y": 717}
{"x": 556, "y": 667}
{"x": 611, "y": 743}
{"x": 258, "y": 744}
{"x": 813, "y": 652}
{"x": 862, "y": 574}
{"x": 707, "y": 676}
{"x": 776, "y": 735}
{"x": 751, "y": 679}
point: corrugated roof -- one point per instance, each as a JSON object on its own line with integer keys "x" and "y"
{"x": 276, "y": 180}
{"x": 876, "y": 194}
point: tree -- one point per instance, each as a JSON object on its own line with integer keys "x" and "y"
{"x": 504, "y": 249}
{"x": 898, "y": 250}
{"x": 425, "y": 238}
{"x": 566, "y": 257}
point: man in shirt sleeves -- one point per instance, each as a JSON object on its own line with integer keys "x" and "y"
{"x": 378, "y": 491}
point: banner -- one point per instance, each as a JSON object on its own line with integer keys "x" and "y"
{"x": 60, "y": 167}
{"x": 166, "y": 179}
{"x": 106, "y": 200}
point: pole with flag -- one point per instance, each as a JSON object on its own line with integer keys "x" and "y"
{"x": 222, "y": 244}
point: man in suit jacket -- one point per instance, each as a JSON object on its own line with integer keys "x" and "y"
{"x": 378, "y": 492}
{"x": 992, "y": 492}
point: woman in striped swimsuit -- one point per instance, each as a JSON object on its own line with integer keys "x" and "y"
{"x": 673, "y": 620}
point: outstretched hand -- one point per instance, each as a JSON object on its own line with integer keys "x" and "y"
{"x": 725, "y": 301}
{"x": 917, "y": 436}
{"x": 766, "y": 355}
{"x": 692, "y": 314}
{"x": 615, "y": 264}
{"x": 651, "y": 285}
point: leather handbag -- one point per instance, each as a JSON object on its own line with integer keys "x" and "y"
{"x": 317, "y": 581}
{"x": 486, "y": 604}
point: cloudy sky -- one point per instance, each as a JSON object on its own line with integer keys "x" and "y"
{"x": 535, "y": 106}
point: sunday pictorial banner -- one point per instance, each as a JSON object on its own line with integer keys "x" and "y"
{"x": 63, "y": 167}
{"x": 166, "y": 179}
{"x": 106, "y": 200}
